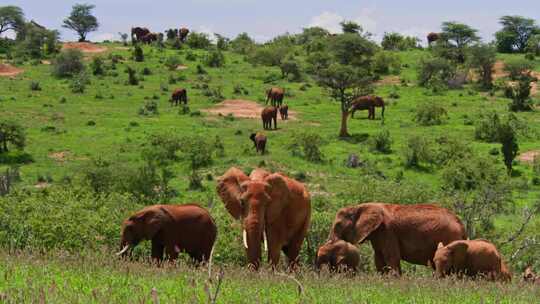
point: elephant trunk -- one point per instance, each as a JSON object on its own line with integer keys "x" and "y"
{"x": 253, "y": 238}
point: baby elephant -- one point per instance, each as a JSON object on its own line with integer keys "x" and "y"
{"x": 259, "y": 140}
{"x": 284, "y": 112}
{"x": 472, "y": 258}
{"x": 338, "y": 255}
{"x": 179, "y": 96}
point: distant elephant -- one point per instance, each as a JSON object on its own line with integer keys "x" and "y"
{"x": 471, "y": 258}
{"x": 275, "y": 96}
{"x": 179, "y": 96}
{"x": 284, "y": 112}
{"x": 268, "y": 115}
{"x": 338, "y": 255}
{"x": 173, "y": 229}
{"x": 149, "y": 38}
{"x": 530, "y": 277}
{"x": 271, "y": 205}
{"x": 398, "y": 232}
{"x": 367, "y": 103}
{"x": 137, "y": 33}
{"x": 259, "y": 140}
{"x": 432, "y": 37}
{"x": 183, "y": 33}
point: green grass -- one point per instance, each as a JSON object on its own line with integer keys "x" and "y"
{"x": 26, "y": 278}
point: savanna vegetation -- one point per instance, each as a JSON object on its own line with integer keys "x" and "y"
{"x": 87, "y": 138}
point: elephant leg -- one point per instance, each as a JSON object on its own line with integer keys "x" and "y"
{"x": 392, "y": 259}
{"x": 379, "y": 262}
{"x": 172, "y": 252}
{"x": 157, "y": 251}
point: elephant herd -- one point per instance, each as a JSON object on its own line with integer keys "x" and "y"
{"x": 143, "y": 35}
{"x": 274, "y": 211}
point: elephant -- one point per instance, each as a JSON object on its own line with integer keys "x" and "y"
{"x": 432, "y": 37}
{"x": 137, "y": 33}
{"x": 149, "y": 38}
{"x": 268, "y": 115}
{"x": 183, "y": 33}
{"x": 171, "y": 228}
{"x": 367, "y": 103}
{"x": 275, "y": 96}
{"x": 268, "y": 205}
{"x": 471, "y": 258}
{"x": 398, "y": 232}
{"x": 284, "y": 112}
{"x": 259, "y": 140}
{"x": 339, "y": 255}
{"x": 179, "y": 96}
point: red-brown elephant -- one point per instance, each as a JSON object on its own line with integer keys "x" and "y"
{"x": 137, "y": 33}
{"x": 268, "y": 115}
{"x": 398, "y": 232}
{"x": 179, "y": 96}
{"x": 183, "y": 33}
{"x": 275, "y": 96}
{"x": 471, "y": 258}
{"x": 149, "y": 38}
{"x": 267, "y": 204}
{"x": 432, "y": 37}
{"x": 367, "y": 103}
{"x": 338, "y": 255}
{"x": 284, "y": 112}
{"x": 259, "y": 140}
{"x": 173, "y": 229}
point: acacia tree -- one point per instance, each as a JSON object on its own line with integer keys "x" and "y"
{"x": 13, "y": 134}
{"x": 11, "y": 18}
{"x": 459, "y": 36}
{"x": 515, "y": 34}
{"x": 482, "y": 57}
{"x": 81, "y": 20}
{"x": 344, "y": 83}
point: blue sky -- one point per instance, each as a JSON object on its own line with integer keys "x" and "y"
{"x": 263, "y": 19}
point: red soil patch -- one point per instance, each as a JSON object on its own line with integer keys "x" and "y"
{"x": 60, "y": 156}
{"x": 389, "y": 80}
{"x": 498, "y": 70}
{"x": 241, "y": 109}
{"x": 529, "y": 157}
{"x": 85, "y": 47}
{"x": 9, "y": 70}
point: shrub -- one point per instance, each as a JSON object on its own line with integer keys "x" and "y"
{"x": 138, "y": 54}
{"x": 214, "y": 59}
{"x": 146, "y": 71}
{"x": 190, "y": 56}
{"x": 517, "y": 67}
{"x": 172, "y": 62}
{"x": 201, "y": 70}
{"x": 97, "y": 66}
{"x": 68, "y": 63}
{"x": 381, "y": 142}
{"x": 430, "y": 114}
{"x": 268, "y": 55}
{"x": 435, "y": 71}
{"x": 198, "y": 41}
{"x": 34, "y": 86}
{"x": 12, "y": 134}
{"x": 387, "y": 63}
{"x": 290, "y": 66}
{"x": 197, "y": 151}
{"x": 487, "y": 127}
{"x": 417, "y": 151}
{"x": 149, "y": 108}
{"x": 132, "y": 76}
{"x": 79, "y": 82}
{"x": 215, "y": 94}
{"x": 306, "y": 145}
{"x": 520, "y": 94}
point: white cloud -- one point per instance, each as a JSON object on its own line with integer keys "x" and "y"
{"x": 327, "y": 20}
{"x": 208, "y": 31}
{"x": 366, "y": 20}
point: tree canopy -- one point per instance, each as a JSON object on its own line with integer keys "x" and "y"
{"x": 515, "y": 34}
{"x": 81, "y": 20}
{"x": 11, "y": 18}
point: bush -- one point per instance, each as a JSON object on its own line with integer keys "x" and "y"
{"x": 97, "y": 66}
{"x": 487, "y": 127}
{"x": 290, "y": 66}
{"x": 306, "y": 145}
{"x": 451, "y": 148}
{"x": 214, "y": 94}
{"x": 417, "y": 151}
{"x": 517, "y": 67}
{"x": 268, "y": 55}
{"x": 34, "y": 86}
{"x": 79, "y": 83}
{"x": 149, "y": 108}
{"x": 138, "y": 54}
{"x": 435, "y": 71}
{"x": 214, "y": 59}
{"x": 520, "y": 94}
{"x": 132, "y": 76}
{"x": 146, "y": 71}
{"x": 387, "y": 63}
{"x": 381, "y": 142}
{"x": 430, "y": 114}
{"x": 198, "y": 41}
{"x": 68, "y": 63}
{"x": 201, "y": 70}
{"x": 190, "y": 56}
{"x": 172, "y": 62}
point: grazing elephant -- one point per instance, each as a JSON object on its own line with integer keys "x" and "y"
{"x": 472, "y": 258}
{"x": 137, "y": 33}
{"x": 173, "y": 229}
{"x": 432, "y": 37}
{"x": 179, "y": 96}
{"x": 275, "y": 96}
{"x": 183, "y": 33}
{"x": 268, "y": 114}
{"x": 259, "y": 140}
{"x": 367, "y": 103}
{"x": 284, "y": 112}
{"x": 339, "y": 255}
{"x": 149, "y": 38}
{"x": 398, "y": 232}
{"x": 271, "y": 205}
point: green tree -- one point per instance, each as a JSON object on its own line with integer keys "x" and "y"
{"x": 353, "y": 49}
{"x": 351, "y": 27}
{"x": 242, "y": 44}
{"x": 435, "y": 71}
{"x": 510, "y": 147}
{"x": 482, "y": 58}
{"x": 344, "y": 83}
{"x": 81, "y": 20}
{"x": 458, "y": 36}
{"x": 36, "y": 41}
{"x": 397, "y": 42}
{"x": 11, "y": 133}
{"x": 312, "y": 33}
{"x": 11, "y": 18}
{"x": 515, "y": 34}
{"x": 533, "y": 45}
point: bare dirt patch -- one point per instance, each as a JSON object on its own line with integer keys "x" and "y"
{"x": 181, "y": 67}
{"x": 61, "y": 156}
{"x": 85, "y": 47}
{"x": 389, "y": 80}
{"x": 41, "y": 185}
{"x": 529, "y": 156}
{"x": 498, "y": 70}
{"x": 8, "y": 70}
{"x": 46, "y": 62}
{"x": 241, "y": 109}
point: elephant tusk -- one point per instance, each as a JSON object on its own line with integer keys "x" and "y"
{"x": 244, "y": 232}
{"x": 123, "y": 250}
{"x": 265, "y": 241}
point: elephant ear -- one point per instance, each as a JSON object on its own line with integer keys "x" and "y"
{"x": 152, "y": 219}
{"x": 459, "y": 253}
{"x": 228, "y": 189}
{"x": 369, "y": 218}
{"x": 278, "y": 190}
